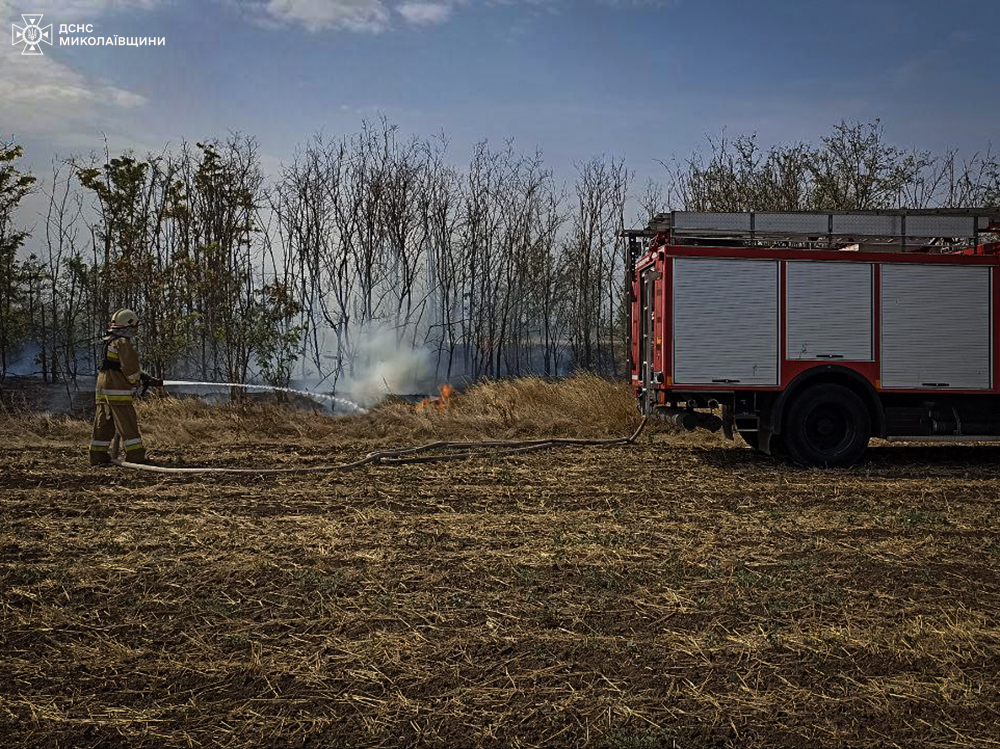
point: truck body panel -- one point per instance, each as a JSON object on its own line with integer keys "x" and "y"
{"x": 936, "y": 327}
{"x": 902, "y": 343}
{"x": 828, "y": 315}
{"x": 729, "y": 338}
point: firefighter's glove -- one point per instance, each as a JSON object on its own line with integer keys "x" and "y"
{"x": 149, "y": 381}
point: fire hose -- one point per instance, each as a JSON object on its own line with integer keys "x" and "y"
{"x": 461, "y": 451}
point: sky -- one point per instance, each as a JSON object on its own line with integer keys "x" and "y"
{"x": 646, "y": 80}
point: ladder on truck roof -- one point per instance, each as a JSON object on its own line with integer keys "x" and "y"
{"x": 941, "y": 229}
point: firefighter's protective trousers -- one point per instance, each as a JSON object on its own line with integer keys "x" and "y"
{"x": 116, "y": 385}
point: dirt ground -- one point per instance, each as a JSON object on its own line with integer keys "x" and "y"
{"x": 681, "y": 592}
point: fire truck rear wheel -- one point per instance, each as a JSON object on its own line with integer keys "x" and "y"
{"x": 827, "y": 426}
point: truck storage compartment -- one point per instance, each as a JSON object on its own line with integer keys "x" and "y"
{"x": 725, "y": 322}
{"x": 828, "y": 311}
{"x": 936, "y": 326}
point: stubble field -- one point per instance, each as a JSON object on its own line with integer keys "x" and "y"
{"x": 681, "y": 591}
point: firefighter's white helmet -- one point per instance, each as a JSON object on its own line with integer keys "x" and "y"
{"x": 124, "y": 318}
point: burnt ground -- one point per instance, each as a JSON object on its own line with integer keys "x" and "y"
{"x": 681, "y": 592}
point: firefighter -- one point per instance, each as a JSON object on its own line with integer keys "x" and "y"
{"x": 117, "y": 384}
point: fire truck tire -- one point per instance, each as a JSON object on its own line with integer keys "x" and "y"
{"x": 827, "y": 426}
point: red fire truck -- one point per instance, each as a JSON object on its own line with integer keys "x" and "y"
{"x": 814, "y": 332}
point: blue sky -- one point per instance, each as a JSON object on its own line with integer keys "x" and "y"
{"x": 641, "y": 79}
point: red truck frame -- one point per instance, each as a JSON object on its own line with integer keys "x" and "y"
{"x": 810, "y": 343}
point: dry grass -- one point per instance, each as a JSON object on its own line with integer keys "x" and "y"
{"x": 581, "y": 406}
{"x": 682, "y": 592}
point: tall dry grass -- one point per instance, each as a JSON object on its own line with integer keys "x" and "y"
{"x": 580, "y": 406}
{"x": 20, "y": 425}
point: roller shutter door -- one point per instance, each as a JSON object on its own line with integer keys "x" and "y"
{"x": 935, "y": 326}
{"x": 829, "y": 311}
{"x": 725, "y": 322}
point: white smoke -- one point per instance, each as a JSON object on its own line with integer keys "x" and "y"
{"x": 384, "y": 365}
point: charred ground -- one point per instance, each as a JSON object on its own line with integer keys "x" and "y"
{"x": 681, "y": 592}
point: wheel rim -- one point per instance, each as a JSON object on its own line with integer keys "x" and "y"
{"x": 828, "y": 428}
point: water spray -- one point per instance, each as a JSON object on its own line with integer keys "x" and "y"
{"x": 269, "y": 388}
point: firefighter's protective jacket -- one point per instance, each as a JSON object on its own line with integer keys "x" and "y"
{"x": 120, "y": 372}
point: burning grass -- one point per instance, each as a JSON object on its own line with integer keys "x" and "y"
{"x": 681, "y": 592}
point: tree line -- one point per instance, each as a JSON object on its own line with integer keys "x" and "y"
{"x": 492, "y": 268}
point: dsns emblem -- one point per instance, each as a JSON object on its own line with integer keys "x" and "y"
{"x": 32, "y": 35}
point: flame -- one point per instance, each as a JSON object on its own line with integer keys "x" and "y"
{"x": 440, "y": 403}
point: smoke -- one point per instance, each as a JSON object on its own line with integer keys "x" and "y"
{"x": 25, "y": 361}
{"x": 384, "y": 366}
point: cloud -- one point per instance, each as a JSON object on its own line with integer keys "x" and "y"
{"x": 72, "y": 10}
{"x": 375, "y": 16}
{"x": 322, "y": 15}
{"x": 636, "y": 3}
{"x": 425, "y": 13}
{"x": 40, "y": 96}
{"x": 43, "y": 98}
{"x": 916, "y": 69}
